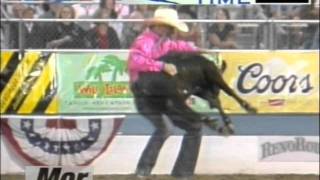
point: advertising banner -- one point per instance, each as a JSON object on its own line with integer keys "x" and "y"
{"x": 258, "y": 155}
{"x": 289, "y": 149}
{"x": 59, "y": 173}
{"x": 274, "y": 82}
{"x": 93, "y": 83}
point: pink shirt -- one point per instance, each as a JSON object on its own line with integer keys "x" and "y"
{"x": 147, "y": 48}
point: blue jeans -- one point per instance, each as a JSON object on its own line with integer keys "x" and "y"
{"x": 152, "y": 108}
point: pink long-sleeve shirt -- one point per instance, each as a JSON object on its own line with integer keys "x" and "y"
{"x": 146, "y": 50}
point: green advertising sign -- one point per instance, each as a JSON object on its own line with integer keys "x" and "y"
{"x": 93, "y": 83}
{"x": 98, "y": 83}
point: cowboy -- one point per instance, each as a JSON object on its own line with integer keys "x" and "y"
{"x": 153, "y": 43}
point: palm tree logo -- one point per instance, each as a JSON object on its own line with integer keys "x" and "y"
{"x": 109, "y": 63}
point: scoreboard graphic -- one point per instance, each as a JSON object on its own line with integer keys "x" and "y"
{"x": 214, "y": 2}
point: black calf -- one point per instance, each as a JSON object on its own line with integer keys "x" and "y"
{"x": 158, "y": 94}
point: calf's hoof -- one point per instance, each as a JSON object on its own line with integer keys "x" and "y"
{"x": 227, "y": 129}
{"x": 212, "y": 123}
{"x": 250, "y": 109}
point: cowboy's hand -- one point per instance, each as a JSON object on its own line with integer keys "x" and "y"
{"x": 170, "y": 69}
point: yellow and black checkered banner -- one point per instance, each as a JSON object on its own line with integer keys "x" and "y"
{"x": 27, "y": 84}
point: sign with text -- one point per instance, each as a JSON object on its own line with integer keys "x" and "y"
{"x": 274, "y": 82}
{"x": 289, "y": 149}
{"x": 58, "y": 173}
{"x": 93, "y": 83}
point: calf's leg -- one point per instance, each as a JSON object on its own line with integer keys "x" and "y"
{"x": 214, "y": 77}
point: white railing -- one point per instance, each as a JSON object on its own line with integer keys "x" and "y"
{"x": 269, "y": 41}
{"x": 184, "y": 20}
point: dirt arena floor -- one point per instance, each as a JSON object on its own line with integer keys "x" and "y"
{"x": 202, "y": 177}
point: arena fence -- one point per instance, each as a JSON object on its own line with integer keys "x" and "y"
{"x": 250, "y": 34}
{"x": 59, "y": 81}
{"x": 29, "y": 85}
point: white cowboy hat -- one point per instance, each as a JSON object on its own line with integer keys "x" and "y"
{"x": 169, "y": 17}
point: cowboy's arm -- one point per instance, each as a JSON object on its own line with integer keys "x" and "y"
{"x": 180, "y": 46}
{"x": 184, "y": 46}
{"x": 142, "y": 58}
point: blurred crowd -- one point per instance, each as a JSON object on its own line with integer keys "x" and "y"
{"x": 120, "y": 35}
